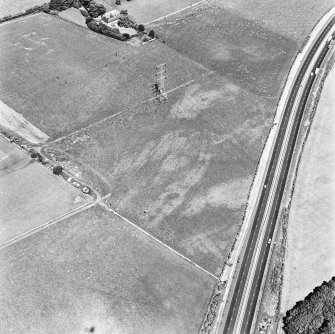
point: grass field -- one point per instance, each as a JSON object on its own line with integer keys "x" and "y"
{"x": 182, "y": 170}
{"x": 60, "y": 76}
{"x": 147, "y": 10}
{"x": 11, "y": 7}
{"x": 293, "y": 19}
{"x": 93, "y": 270}
{"x": 30, "y": 195}
{"x": 311, "y": 231}
{"x": 11, "y": 158}
{"x": 252, "y": 57}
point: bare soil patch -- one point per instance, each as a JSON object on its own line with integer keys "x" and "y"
{"x": 95, "y": 270}
{"x": 15, "y": 122}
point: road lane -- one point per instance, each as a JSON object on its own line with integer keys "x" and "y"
{"x": 246, "y": 263}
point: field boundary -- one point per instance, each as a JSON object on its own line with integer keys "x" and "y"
{"x": 29, "y": 11}
{"x": 159, "y": 241}
{"x": 123, "y": 111}
{"x": 47, "y": 224}
{"x": 259, "y": 175}
{"x": 178, "y": 11}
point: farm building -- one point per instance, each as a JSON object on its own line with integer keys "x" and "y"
{"x": 111, "y": 16}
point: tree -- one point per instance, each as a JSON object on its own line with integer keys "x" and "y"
{"x": 57, "y": 170}
{"x": 151, "y": 34}
{"x": 60, "y": 4}
{"x": 96, "y": 10}
{"x": 140, "y": 27}
{"x": 315, "y": 314}
{"x": 92, "y": 25}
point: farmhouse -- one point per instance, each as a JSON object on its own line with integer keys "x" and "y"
{"x": 111, "y": 16}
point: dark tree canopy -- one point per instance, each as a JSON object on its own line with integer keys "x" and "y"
{"x": 315, "y": 314}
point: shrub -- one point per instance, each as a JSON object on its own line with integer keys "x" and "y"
{"x": 118, "y": 2}
{"x": 127, "y": 36}
{"x": 92, "y": 25}
{"x": 76, "y": 4}
{"x": 85, "y": 3}
{"x": 60, "y": 4}
{"x": 151, "y": 34}
{"x": 57, "y": 170}
{"x": 108, "y": 31}
{"x": 96, "y": 10}
{"x": 140, "y": 27}
{"x": 46, "y": 8}
{"x": 84, "y": 12}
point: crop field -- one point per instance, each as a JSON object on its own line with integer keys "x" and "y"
{"x": 252, "y": 57}
{"x": 12, "y": 7}
{"x": 311, "y": 229}
{"x": 30, "y": 195}
{"x": 93, "y": 270}
{"x": 60, "y": 76}
{"x": 11, "y": 158}
{"x": 148, "y": 10}
{"x": 293, "y": 19}
{"x": 182, "y": 170}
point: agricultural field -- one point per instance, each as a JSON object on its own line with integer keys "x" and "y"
{"x": 145, "y": 11}
{"x": 12, "y": 7}
{"x": 250, "y": 56}
{"x": 311, "y": 232}
{"x": 93, "y": 272}
{"x": 293, "y": 19}
{"x": 61, "y": 76}
{"x": 11, "y": 158}
{"x": 30, "y": 195}
{"x": 182, "y": 169}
